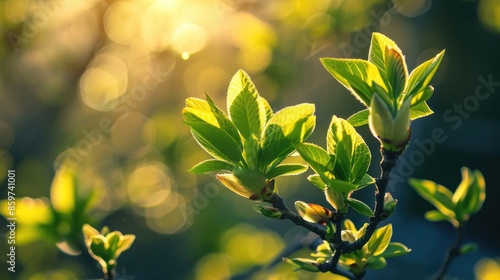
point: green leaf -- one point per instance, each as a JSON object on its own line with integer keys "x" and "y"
{"x": 352, "y": 154}
{"x": 287, "y": 127}
{"x": 216, "y": 142}
{"x": 436, "y": 194}
{"x": 286, "y": 170}
{"x": 223, "y": 120}
{"x": 341, "y": 186}
{"x": 316, "y": 157}
{"x": 359, "y": 206}
{"x": 365, "y": 181}
{"x": 211, "y": 165}
{"x": 468, "y": 248}
{"x": 380, "y": 240}
{"x": 316, "y": 180}
{"x": 98, "y": 247}
{"x": 471, "y": 193}
{"x": 360, "y": 118}
{"x": 436, "y": 216}
{"x": 395, "y": 249}
{"x": 396, "y": 71}
{"x": 420, "y": 110}
{"x": 377, "y": 263}
{"x": 356, "y": 75}
{"x": 245, "y": 110}
{"x": 422, "y": 75}
{"x": 422, "y": 96}
{"x": 376, "y": 55}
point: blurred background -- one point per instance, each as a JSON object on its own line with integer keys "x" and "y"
{"x": 100, "y": 85}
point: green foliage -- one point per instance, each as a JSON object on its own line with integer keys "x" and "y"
{"x": 105, "y": 247}
{"x": 57, "y": 220}
{"x": 251, "y": 141}
{"x": 453, "y": 207}
{"x": 383, "y": 85}
{"x": 341, "y": 168}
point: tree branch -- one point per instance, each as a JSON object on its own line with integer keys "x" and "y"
{"x": 452, "y": 253}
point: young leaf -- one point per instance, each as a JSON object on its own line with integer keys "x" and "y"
{"x": 437, "y": 195}
{"x": 468, "y": 247}
{"x": 352, "y": 154}
{"x": 395, "y": 249}
{"x": 376, "y": 55}
{"x": 341, "y": 186}
{"x": 377, "y": 263}
{"x": 421, "y": 76}
{"x": 436, "y": 216}
{"x": 422, "y": 96}
{"x": 356, "y": 75}
{"x": 470, "y": 194}
{"x": 316, "y": 180}
{"x": 216, "y": 142}
{"x": 360, "y": 118}
{"x": 288, "y": 126}
{"x": 316, "y": 157}
{"x": 420, "y": 110}
{"x": 396, "y": 71}
{"x": 359, "y": 206}
{"x": 285, "y": 170}
{"x": 365, "y": 181}
{"x": 223, "y": 121}
{"x": 211, "y": 165}
{"x": 245, "y": 110}
{"x": 380, "y": 240}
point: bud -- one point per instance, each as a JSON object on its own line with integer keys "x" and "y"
{"x": 305, "y": 264}
{"x": 389, "y": 206}
{"x": 268, "y": 211}
{"x": 393, "y": 132}
{"x": 313, "y": 213}
{"x": 336, "y": 199}
{"x": 249, "y": 184}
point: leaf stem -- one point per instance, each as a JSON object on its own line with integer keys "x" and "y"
{"x": 453, "y": 252}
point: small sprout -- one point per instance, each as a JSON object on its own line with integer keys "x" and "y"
{"x": 105, "y": 247}
{"x": 313, "y": 213}
{"x": 389, "y": 206}
{"x": 268, "y": 211}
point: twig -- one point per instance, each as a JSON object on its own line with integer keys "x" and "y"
{"x": 452, "y": 253}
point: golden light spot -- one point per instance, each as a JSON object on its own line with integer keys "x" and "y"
{"x": 149, "y": 184}
{"x": 133, "y": 133}
{"x": 15, "y": 10}
{"x": 188, "y": 38}
{"x": 99, "y": 89}
{"x": 157, "y": 23}
{"x": 213, "y": 266}
{"x": 185, "y": 55}
{"x": 172, "y": 222}
{"x": 121, "y": 22}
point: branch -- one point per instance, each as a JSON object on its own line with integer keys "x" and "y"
{"x": 452, "y": 253}
{"x": 389, "y": 160}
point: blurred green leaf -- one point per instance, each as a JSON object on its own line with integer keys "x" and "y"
{"x": 211, "y": 165}
{"x": 395, "y": 249}
{"x": 468, "y": 248}
{"x": 377, "y": 263}
{"x": 471, "y": 193}
{"x": 437, "y": 195}
{"x": 436, "y": 216}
